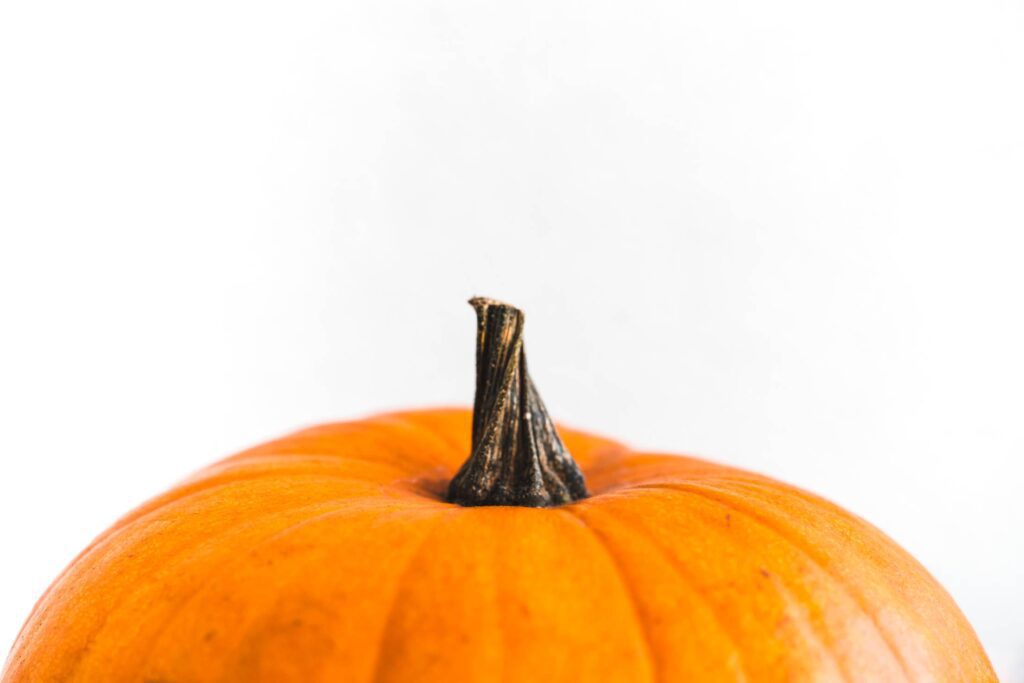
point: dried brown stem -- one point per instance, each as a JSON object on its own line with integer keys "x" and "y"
{"x": 517, "y": 456}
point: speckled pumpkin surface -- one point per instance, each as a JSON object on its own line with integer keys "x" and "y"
{"x": 330, "y": 555}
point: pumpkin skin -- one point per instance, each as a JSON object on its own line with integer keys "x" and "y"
{"x": 330, "y": 555}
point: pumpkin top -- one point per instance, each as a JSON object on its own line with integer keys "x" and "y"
{"x": 336, "y": 553}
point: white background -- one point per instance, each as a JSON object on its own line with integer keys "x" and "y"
{"x": 785, "y": 235}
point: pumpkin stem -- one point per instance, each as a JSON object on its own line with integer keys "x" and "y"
{"x": 517, "y": 456}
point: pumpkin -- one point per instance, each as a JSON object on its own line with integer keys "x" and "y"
{"x": 367, "y": 551}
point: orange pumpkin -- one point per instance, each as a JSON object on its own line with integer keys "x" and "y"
{"x": 334, "y": 554}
